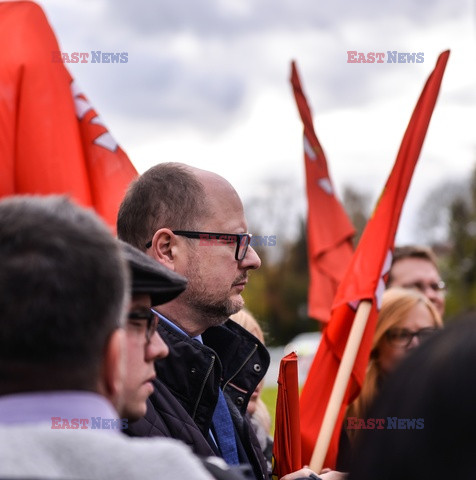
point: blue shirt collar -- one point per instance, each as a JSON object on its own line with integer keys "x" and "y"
{"x": 175, "y": 327}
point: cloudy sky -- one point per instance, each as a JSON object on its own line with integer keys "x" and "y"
{"x": 207, "y": 83}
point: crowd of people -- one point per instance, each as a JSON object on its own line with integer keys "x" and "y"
{"x": 106, "y": 341}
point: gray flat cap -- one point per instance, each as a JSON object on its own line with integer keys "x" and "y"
{"x": 149, "y": 276}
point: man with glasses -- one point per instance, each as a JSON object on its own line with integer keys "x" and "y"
{"x": 152, "y": 284}
{"x": 415, "y": 267}
{"x": 192, "y": 222}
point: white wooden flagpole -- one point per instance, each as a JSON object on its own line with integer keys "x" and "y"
{"x": 340, "y": 385}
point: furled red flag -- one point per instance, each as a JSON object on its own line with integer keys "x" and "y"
{"x": 364, "y": 281}
{"x": 329, "y": 230}
{"x": 51, "y": 140}
{"x": 287, "y": 436}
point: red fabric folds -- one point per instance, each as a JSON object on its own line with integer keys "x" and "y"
{"x": 329, "y": 230}
{"x": 364, "y": 280}
{"x": 51, "y": 139}
{"x": 287, "y": 437}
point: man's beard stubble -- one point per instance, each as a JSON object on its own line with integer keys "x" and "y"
{"x": 215, "y": 308}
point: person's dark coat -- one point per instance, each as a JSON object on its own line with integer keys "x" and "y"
{"x": 186, "y": 390}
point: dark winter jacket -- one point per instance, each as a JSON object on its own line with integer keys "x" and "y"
{"x": 186, "y": 390}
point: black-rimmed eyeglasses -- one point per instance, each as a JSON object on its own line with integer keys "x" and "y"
{"x": 151, "y": 318}
{"x": 401, "y": 337}
{"x": 242, "y": 240}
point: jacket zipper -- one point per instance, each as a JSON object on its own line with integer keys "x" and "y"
{"x": 241, "y": 366}
{"x": 203, "y": 386}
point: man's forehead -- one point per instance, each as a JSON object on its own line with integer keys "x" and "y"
{"x": 224, "y": 207}
{"x": 413, "y": 268}
{"x": 223, "y": 202}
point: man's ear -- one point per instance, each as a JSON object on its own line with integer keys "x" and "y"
{"x": 164, "y": 248}
{"x": 114, "y": 368}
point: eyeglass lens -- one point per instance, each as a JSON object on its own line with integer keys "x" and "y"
{"x": 403, "y": 337}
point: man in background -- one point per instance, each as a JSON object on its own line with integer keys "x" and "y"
{"x": 416, "y": 267}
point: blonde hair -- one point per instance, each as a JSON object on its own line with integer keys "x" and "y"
{"x": 396, "y": 305}
{"x": 247, "y": 321}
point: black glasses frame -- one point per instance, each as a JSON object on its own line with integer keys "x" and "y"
{"x": 242, "y": 240}
{"x": 152, "y": 321}
{"x": 421, "y": 334}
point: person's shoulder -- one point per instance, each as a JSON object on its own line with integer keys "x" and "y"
{"x": 167, "y": 457}
{"x": 160, "y": 447}
{"x": 97, "y": 454}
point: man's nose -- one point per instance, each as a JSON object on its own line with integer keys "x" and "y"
{"x": 156, "y": 348}
{"x": 414, "y": 343}
{"x": 251, "y": 260}
{"x": 429, "y": 291}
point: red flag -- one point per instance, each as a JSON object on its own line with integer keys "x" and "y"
{"x": 329, "y": 230}
{"x": 364, "y": 281}
{"x": 287, "y": 436}
{"x": 51, "y": 142}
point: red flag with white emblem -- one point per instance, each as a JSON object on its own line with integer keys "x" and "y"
{"x": 329, "y": 230}
{"x": 364, "y": 280}
{"x": 51, "y": 139}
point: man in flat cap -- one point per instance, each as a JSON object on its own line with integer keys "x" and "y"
{"x": 152, "y": 284}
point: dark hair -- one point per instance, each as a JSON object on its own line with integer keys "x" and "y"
{"x": 412, "y": 251}
{"x": 436, "y": 383}
{"x": 167, "y": 195}
{"x": 63, "y": 286}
